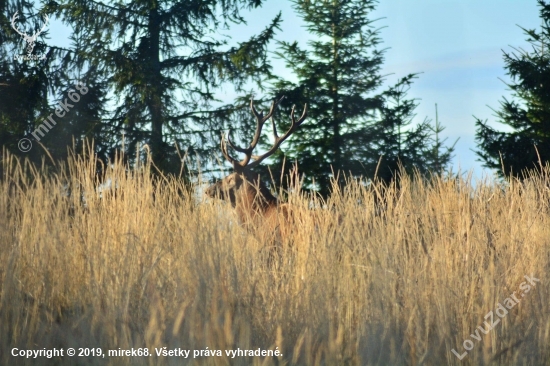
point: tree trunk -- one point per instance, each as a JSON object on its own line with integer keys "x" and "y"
{"x": 154, "y": 99}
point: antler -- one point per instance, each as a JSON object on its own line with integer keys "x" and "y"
{"x": 260, "y": 121}
{"x": 13, "y": 19}
{"x": 46, "y": 19}
{"x": 16, "y": 16}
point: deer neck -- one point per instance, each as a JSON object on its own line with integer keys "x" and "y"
{"x": 254, "y": 202}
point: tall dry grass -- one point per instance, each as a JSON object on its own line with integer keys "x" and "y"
{"x": 148, "y": 265}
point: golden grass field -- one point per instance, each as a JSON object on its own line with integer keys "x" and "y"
{"x": 152, "y": 267}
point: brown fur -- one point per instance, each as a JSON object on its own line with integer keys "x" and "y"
{"x": 259, "y": 212}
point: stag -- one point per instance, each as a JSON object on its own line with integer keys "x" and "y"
{"x": 29, "y": 39}
{"x": 252, "y": 200}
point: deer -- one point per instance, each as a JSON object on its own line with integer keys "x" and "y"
{"x": 256, "y": 207}
{"x": 31, "y": 40}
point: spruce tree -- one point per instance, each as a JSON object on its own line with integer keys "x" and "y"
{"x": 527, "y": 113}
{"x": 24, "y": 84}
{"x": 352, "y": 126}
{"x": 31, "y": 90}
{"x": 439, "y": 156}
{"x": 164, "y": 63}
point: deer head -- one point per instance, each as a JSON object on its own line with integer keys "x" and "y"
{"x": 29, "y": 39}
{"x": 247, "y": 193}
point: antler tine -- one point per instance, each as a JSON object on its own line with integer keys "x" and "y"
{"x": 247, "y": 154}
{"x": 235, "y": 147}
{"x": 237, "y": 165}
{"x": 279, "y": 140}
{"x": 295, "y": 123}
{"x": 226, "y": 153}
{"x": 260, "y": 121}
{"x": 46, "y": 20}
{"x": 13, "y": 19}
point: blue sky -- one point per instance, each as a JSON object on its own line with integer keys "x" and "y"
{"x": 456, "y": 44}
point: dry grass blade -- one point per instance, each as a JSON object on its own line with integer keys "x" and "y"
{"x": 385, "y": 277}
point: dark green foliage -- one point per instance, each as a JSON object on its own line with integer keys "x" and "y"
{"x": 528, "y": 113}
{"x": 30, "y": 91}
{"x": 352, "y": 129}
{"x": 439, "y": 155}
{"x": 152, "y": 67}
{"x": 164, "y": 63}
{"x": 23, "y": 85}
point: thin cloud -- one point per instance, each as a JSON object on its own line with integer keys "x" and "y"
{"x": 467, "y": 59}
